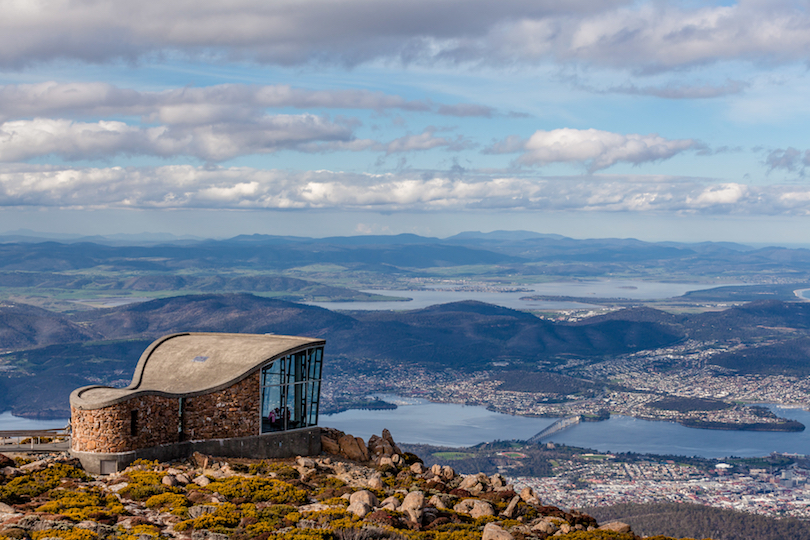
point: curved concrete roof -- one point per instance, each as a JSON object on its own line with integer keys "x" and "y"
{"x": 193, "y": 364}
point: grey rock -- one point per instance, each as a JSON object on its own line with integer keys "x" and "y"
{"x": 495, "y": 532}
{"x": 200, "y": 510}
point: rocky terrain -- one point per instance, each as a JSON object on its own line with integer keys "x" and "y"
{"x": 353, "y": 491}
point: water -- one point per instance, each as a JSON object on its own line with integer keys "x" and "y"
{"x": 10, "y": 423}
{"x": 634, "y": 290}
{"x": 421, "y": 422}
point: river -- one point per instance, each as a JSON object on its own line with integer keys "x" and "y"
{"x": 421, "y": 422}
{"x": 628, "y": 289}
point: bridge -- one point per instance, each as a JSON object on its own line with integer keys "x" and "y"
{"x": 556, "y": 427}
{"x": 31, "y": 441}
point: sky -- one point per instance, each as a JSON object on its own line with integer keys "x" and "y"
{"x": 657, "y": 120}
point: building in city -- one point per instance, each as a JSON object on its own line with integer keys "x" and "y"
{"x": 239, "y": 395}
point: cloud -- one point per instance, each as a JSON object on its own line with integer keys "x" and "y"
{"x": 670, "y": 91}
{"x": 466, "y": 109}
{"x": 185, "y": 186}
{"x": 594, "y": 148}
{"x": 646, "y": 36}
{"x": 791, "y": 160}
{"x": 197, "y": 134}
{"x": 201, "y": 105}
{"x": 22, "y": 140}
{"x": 426, "y": 141}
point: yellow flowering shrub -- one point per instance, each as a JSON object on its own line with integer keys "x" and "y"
{"x": 258, "y": 489}
{"x": 73, "y": 534}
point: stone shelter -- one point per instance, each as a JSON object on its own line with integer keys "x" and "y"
{"x": 238, "y": 395}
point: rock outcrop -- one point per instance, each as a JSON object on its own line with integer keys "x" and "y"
{"x": 186, "y": 500}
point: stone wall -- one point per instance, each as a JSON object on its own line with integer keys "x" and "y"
{"x": 109, "y": 429}
{"x": 232, "y": 412}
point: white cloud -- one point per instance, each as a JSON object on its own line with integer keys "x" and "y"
{"x": 619, "y": 33}
{"x": 594, "y": 148}
{"x": 184, "y": 186}
{"x": 26, "y": 139}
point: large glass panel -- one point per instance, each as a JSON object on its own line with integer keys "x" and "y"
{"x": 314, "y": 395}
{"x": 272, "y": 417}
{"x": 290, "y": 390}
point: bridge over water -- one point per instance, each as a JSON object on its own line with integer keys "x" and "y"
{"x": 556, "y": 427}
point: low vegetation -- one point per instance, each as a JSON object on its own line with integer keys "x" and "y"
{"x": 307, "y": 499}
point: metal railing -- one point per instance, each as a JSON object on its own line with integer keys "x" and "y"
{"x": 31, "y": 439}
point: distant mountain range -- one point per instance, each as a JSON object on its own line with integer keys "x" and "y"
{"x": 58, "y": 352}
{"x": 510, "y": 252}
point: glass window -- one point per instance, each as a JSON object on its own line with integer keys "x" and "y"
{"x": 290, "y": 391}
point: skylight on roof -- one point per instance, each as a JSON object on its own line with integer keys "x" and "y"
{"x": 199, "y": 359}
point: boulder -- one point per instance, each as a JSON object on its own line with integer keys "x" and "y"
{"x": 495, "y": 532}
{"x": 412, "y": 505}
{"x": 182, "y": 478}
{"x": 474, "y": 508}
{"x": 448, "y": 473}
{"x": 6, "y": 509}
{"x": 437, "y": 502}
{"x": 353, "y": 448}
{"x": 364, "y": 496}
{"x": 169, "y": 480}
{"x": 359, "y": 508}
{"x": 329, "y": 445}
{"x": 481, "y": 508}
{"x": 545, "y": 527}
{"x": 375, "y": 482}
{"x": 200, "y": 510}
{"x": 6, "y": 461}
{"x": 468, "y": 482}
{"x": 528, "y": 496}
{"x": 616, "y": 526}
{"x": 390, "y": 503}
{"x": 418, "y": 468}
{"x": 34, "y": 466}
{"x": 510, "y": 509}
{"x": 202, "y": 481}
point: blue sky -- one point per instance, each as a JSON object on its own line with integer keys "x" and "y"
{"x": 656, "y": 120}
